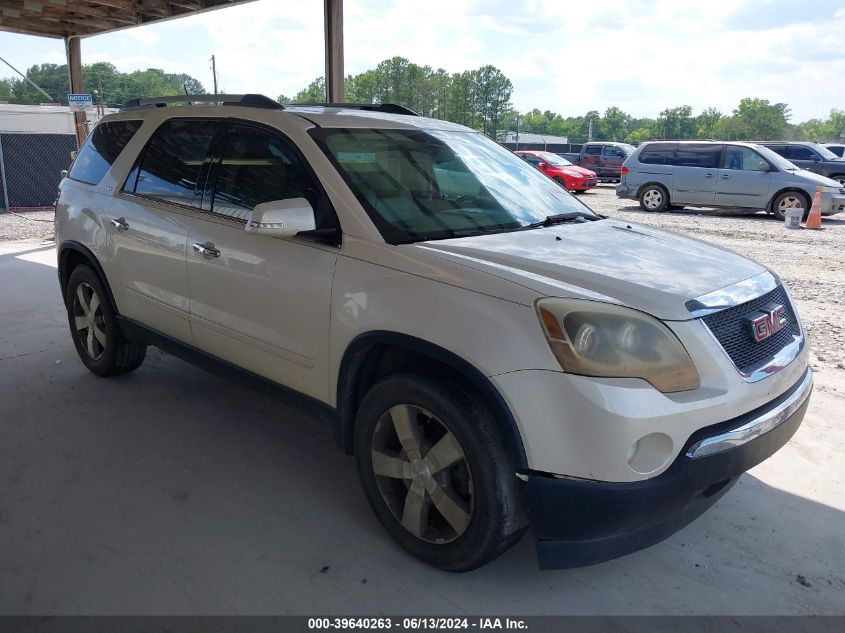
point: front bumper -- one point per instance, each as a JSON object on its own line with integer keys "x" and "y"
{"x": 580, "y": 522}
{"x": 832, "y": 204}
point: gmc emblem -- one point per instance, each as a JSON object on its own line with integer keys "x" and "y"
{"x": 770, "y": 319}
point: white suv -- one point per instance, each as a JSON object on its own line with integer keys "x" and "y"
{"x": 493, "y": 353}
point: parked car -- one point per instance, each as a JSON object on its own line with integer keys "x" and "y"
{"x": 569, "y": 176}
{"x": 838, "y": 150}
{"x": 492, "y": 352}
{"x": 666, "y": 174}
{"x": 811, "y": 156}
{"x": 603, "y": 157}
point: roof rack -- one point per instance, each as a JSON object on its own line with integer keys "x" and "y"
{"x": 246, "y": 100}
{"x": 387, "y": 108}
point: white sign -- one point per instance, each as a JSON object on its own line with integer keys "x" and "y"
{"x": 80, "y": 102}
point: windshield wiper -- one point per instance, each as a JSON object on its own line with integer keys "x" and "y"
{"x": 561, "y": 218}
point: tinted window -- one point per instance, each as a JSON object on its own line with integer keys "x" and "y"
{"x": 101, "y": 150}
{"x": 778, "y": 149}
{"x": 530, "y": 159}
{"x": 658, "y": 154}
{"x": 694, "y": 155}
{"x": 610, "y": 150}
{"x": 258, "y": 166}
{"x": 742, "y": 158}
{"x": 799, "y": 152}
{"x": 593, "y": 149}
{"x": 172, "y": 162}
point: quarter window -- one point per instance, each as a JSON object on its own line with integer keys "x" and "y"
{"x": 258, "y": 166}
{"x": 101, "y": 150}
{"x": 171, "y": 166}
{"x": 695, "y": 155}
{"x": 658, "y": 154}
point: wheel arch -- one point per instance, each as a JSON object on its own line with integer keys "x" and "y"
{"x": 771, "y": 205}
{"x": 373, "y": 355}
{"x": 656, "y": 183}
{"x": 73, "y": 254}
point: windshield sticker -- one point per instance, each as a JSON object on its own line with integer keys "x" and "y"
{"x": 356, "y": 157}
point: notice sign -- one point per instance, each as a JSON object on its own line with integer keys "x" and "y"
{"x": 80, "y": 102}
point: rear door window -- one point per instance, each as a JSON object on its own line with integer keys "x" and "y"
{"x": 658, "y": 154}
{"x": 695, "y": 155}
{"x": 101, "y": 150}
{"x": 171, "y": 167}
{"x": 593, "y": 149}
{"x": 610, "y": 150}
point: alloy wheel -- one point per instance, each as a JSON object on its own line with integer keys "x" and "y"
{"x": 790, "y": 202}
{"x": 422, "y": 474}
{"x": 89, "y": 321}
{"x": 652, "y": 198}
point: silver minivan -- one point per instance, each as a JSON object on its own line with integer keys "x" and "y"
{"x": 672, "y": 174}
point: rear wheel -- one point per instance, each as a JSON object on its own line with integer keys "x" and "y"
{"x": 790, "y": 200}
{"x": 654, "y": 198}
{"x": 99, "y": 342}
{"x": 436, "y": 473}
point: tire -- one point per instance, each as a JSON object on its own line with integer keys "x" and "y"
{"x": 790, "y": 199}
{"x": 840, "y": 178}
{"x": 99, "y": 342}
{"x": 478, "y": 491}
{"x": 654, "y": 198}
{"x": 561, "y": 182}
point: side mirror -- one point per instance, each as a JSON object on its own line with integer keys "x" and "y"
{"x": 764, "y": 166}
{"x": 281, "y": 218}
{"x": 64, "y": 173}
{"x": 817, "y": 159}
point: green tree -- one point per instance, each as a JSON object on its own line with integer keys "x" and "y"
{"x": 707, "y": 123}
{"x": 315, "y": 92}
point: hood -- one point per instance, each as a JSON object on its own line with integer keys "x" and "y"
{"x": 648, "y": 269}
{"x": 818, "y": 178}
{"x": 581, "y": 170}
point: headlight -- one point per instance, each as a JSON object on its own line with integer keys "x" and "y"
{"x": 572, "y": 174}
{"x": 601, "y": 339}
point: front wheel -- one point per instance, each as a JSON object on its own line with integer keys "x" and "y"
{"x": 654, "y": 198}
{"x": 789, "y": 200}
{"x": 561, "y": 182}
{"x": 99, "y": 342}
{"x": 436, "y": 472}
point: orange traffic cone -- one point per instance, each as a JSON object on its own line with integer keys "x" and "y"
{"x": 814, "y": 220}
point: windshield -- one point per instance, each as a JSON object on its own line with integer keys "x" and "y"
{"x": 775, "y": 159}
{"x": 427, "y": 185}
{"x": 824, "y": 152}
{"x": 554, "y": 159}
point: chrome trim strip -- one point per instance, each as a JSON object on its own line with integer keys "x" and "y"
{"x": 731, "y": 296}
{"x": 760, "y": 425}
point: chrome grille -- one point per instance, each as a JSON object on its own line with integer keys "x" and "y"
{"x": 731, "y": 330}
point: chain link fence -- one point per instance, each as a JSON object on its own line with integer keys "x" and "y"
{"x": 35, "y": 146}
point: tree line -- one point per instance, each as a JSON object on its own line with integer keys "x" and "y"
{"x": 481, "y": 99}
{"x": 112, "y": 87}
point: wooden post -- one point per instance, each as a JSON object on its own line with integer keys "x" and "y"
{"x": 333, "y": 16}
{"x": 74, "y": 66}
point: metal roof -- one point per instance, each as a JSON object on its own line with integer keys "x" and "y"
{"x": 81, "y": 18}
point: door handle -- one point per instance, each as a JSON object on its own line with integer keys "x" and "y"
{"x": 708, "y": 175}
{"x": 120, "y": 224}
{"x": 726, "y": 176}
{"x": 207, "y": 250}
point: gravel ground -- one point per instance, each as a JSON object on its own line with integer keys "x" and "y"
{"x": 23, "y": 225}
{"x": 812, "y": 263}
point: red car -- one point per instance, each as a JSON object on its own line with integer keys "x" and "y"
{"x": 567, "y": 175}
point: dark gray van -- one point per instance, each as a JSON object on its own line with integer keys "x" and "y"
{"x": 672, "y": 174}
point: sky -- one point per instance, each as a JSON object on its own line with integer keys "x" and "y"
{"x": 568, "y": 57}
